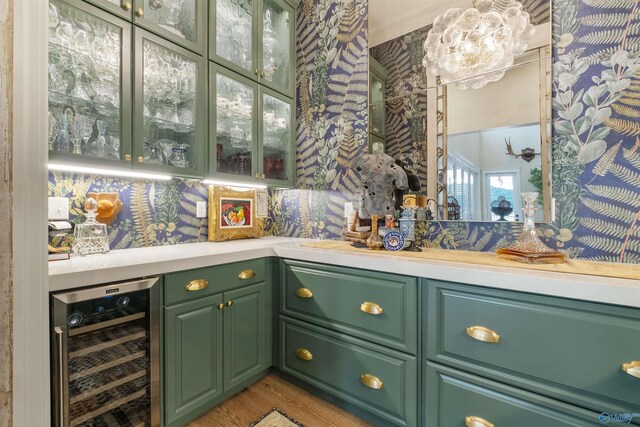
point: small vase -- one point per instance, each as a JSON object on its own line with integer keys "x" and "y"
{"x": 374, "y": 241}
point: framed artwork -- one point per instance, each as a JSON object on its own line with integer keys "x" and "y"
{"x": 232, "y": 214}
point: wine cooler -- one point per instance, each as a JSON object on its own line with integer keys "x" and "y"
{"x": 105, "y": 356}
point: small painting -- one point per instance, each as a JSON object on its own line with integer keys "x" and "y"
{"x": 235, "y": 213}
{"x": 232, "y": 214}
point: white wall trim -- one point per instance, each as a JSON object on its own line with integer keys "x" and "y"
{"x": 31, "y": 398}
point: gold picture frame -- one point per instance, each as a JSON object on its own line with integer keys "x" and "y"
{"x": 232, "y": 214}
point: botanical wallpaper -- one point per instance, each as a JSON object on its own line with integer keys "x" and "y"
{"x": 154, "y": 212}
{"x": 406, "y": 105}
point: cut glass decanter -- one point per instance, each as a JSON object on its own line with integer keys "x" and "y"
{"x": 91, "y": 236}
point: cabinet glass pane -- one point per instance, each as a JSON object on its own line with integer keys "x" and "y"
{"x": 377, "y": 105}
{"x": 234, "y": 32}
{"x": 275, "y": 51}
{"x": 176, "y": 16}
{"x": 276, "y": 133}
{"x": 84, "y": 83}
{"x": 169, "y": 96}
{"x": 234, "y": 121}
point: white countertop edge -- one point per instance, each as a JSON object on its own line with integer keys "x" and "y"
{"x": 133, "y": 263}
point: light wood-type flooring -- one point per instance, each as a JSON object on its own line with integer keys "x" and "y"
{"x": 272, "y": 391}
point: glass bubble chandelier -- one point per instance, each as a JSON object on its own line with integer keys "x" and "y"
{"x": 474, "y": 47}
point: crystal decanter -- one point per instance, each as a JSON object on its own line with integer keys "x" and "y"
{"x": 91, "y": 236}
{"x": 529, "y": 248}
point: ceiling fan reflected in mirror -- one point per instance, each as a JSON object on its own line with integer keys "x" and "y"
{"x": 474, "y": 47}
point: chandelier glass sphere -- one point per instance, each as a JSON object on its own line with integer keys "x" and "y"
{"x": 474, "y": 47}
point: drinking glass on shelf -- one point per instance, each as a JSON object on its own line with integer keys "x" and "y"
{"x": 179, "y": 156}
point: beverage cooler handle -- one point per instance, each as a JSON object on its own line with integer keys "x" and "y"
{"x": 61, "y": 369}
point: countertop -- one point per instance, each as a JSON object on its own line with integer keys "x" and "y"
{"x": 133, "y": 263}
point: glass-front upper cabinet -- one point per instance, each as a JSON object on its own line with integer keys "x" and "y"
{"x": 276, "y": 38}
{"x": 233, "y": 35}
{"x": 233, "y": 126}
{"x": 123, "y": 8}
{"x": 170, "y": 105}
{"x": 276, "y": 136}
{"x": 89, "y": 85}
{"x": 182, "y": 21}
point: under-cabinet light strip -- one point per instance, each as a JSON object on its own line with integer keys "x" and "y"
{"x": 107, "y": 172}
{"x": 233, "y": 184}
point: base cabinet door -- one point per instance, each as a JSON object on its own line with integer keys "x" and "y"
{"x": 193, "y": 356}
{"x": 245, "y": 338}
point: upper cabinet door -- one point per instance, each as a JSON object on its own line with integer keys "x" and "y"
{"x": 122, "y": 8}
{"x": 232, "y": 37}
{"x": 276, "y": 139}
{"x": 89, "y": 85}
{"x": 276, "y": 37}
{"x": 181, "y": 21}
{"x": 233, "y": 125}
{"x": 170, "y": 108}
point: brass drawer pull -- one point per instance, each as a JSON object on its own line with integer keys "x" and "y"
{"x": 371, "y": 381}
{"x": 197, "y": 285}
{"x": 304, "y": 293}
{"x": 229, "y": 303}
{"x": 304, "y": 354}
{"x": 483, "y": 334}
{"x": 246, "y": 274}
{"x": 477, "y": 422}
{"x": 371, "y": 308}
{"x": 632, "y": 368}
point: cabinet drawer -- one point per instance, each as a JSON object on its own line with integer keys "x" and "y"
{"x": 336, "y": 363}
{"x": 569, "y": 350}
{"x": 378, "y": 307}
{"x": 212, "y": 280}
{"x": 452, "y": 396}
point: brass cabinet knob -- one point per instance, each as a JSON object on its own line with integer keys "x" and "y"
{"x": 197, "y": 285}
{"x": 474, "y": 421}
{"x": 371, "y": 308}
{"x": 483, "y": 334}
{"x": 220, "y": 306}
{"x": 126, "y": 5}
{"x": 304, "y": 354}
{"x": 246, "y": 274}
{"x": 264, "y": 176}
{"x": 632, "y": 368}
{"x": 229, "y": 303}
{"x": 257, "y": 72}
{"x": 257, "y": 176}
{"x": 262, "y": 74}
{"x": 127, "y": 157}
{"x": 140, "y": 159}
{"x": 371, "y": 381}
{"x": 304, "y": 293}
{"x": 140, "y": 12}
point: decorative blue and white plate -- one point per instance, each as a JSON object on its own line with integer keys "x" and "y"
{"x": 393, "y": 241}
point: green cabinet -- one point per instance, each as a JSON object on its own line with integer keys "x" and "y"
{"x": 255, "y": 38}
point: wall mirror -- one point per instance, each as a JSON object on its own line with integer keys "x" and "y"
{"x": 475, "y": 139}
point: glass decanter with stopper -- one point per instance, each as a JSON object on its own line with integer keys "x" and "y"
{"x": 529, "y": 248}
{"x": 90, "y": 237}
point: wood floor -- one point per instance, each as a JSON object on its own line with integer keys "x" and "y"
{"x": 247, "y": 406}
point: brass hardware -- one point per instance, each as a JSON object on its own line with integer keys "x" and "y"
{"x": 371, "y": 308}
{"x": 246, "y": 274}
{"x": 632, "y": 368}
{"x": 257, "y": 72}
{"x": 197, "y": 285}
{"x": 304, "y": 293}
{"x": 474, "y": 421}
{"x": 257, "y": 176}
{"x": 483, "y": 334}
{"x": 140, "y": 12}
{"x": 220, "y": 306}
{"x": 140, "y": 159}
{"x": 262, "y": 74}
{"x": 127, "y": 157}
{"x": 264, "y": 176}
{"x": 126, "y": 5}
{"x": 229, "y": 303}
{"x": 304, "y": 354}
{"x": 371, "y": 381}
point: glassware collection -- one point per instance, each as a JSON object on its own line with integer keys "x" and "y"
{"x": 234, "y": 32}
{"x": 84, "y": 83}
{"x": 276, "y": 137}
{"x": 176, "y": 16}
{"x": 275, "y": 57}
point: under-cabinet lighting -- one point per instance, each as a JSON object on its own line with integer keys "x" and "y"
{"x": 107, "y": 172}
{"x": 233, "y": 184}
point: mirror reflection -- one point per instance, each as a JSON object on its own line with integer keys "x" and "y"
{"x": 478, "y": 141}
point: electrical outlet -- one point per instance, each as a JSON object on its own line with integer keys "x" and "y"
{"x": 58, "y": 209}
{"x": 201, "y": 209}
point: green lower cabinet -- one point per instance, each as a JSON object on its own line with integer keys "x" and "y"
{"x": 245, "y": 338}
{"x": 457, "y": 399}
{"x": 193, "y": 357}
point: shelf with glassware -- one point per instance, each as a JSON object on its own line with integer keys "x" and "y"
{"x": 251, "y": 131}
{"x": 183, "y": 22}
{"x": 377, "y": 107}
{"x": 256, "y": 38}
